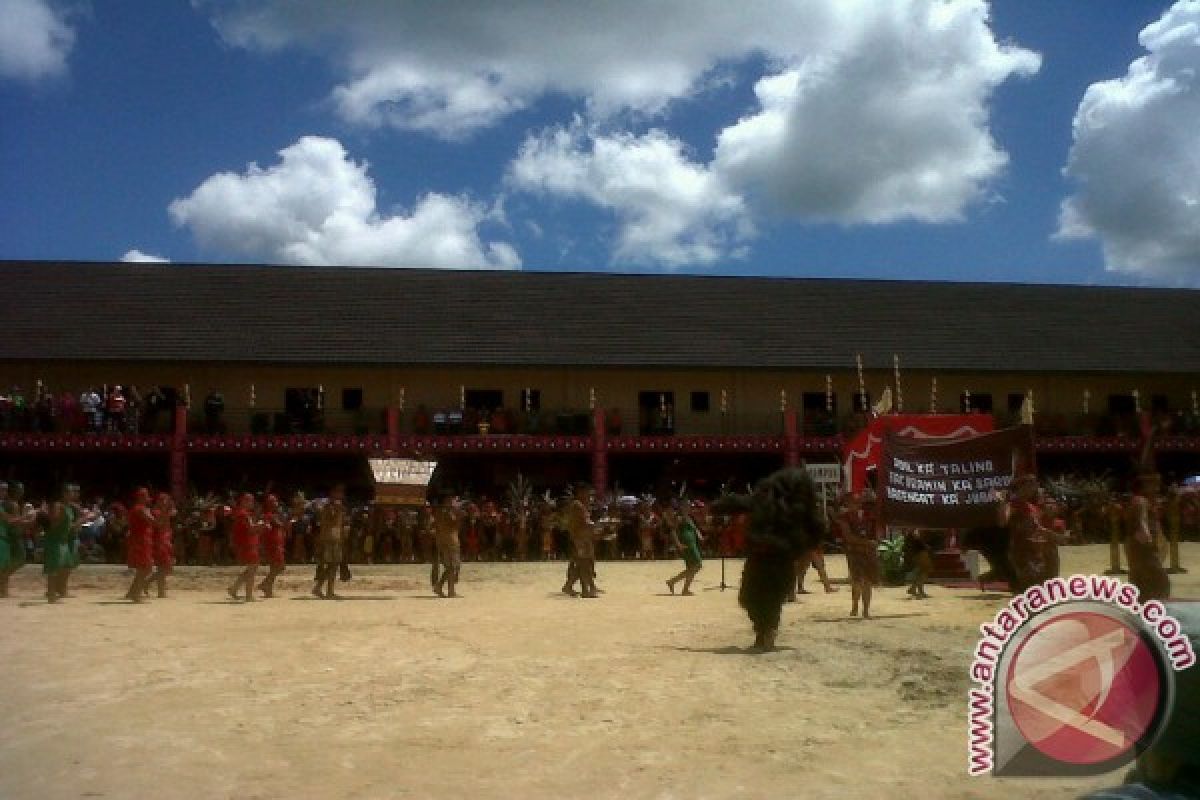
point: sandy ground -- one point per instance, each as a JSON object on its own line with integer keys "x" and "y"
{"x": 513, "y": 691}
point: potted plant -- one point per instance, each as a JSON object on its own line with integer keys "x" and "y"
{"x": 891, "y": 559}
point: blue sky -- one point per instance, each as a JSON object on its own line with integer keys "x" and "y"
{"x": 837, "y": 138}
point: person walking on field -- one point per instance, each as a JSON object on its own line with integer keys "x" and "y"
{"x": 447, "y": 520}
{"x": 139, "y": 545}
{"x": 856, "y": 528}
{"x": 246, "y": 532}
{"x": 686, "y": 538}
{"x": 59, "y": 556}
{"x": 274, "y": 543}
{"x": 13, "y": 524}
{"x": 164, "y": 542}
{"x": 583, "y": 535}
{"x": 333, "y": 523}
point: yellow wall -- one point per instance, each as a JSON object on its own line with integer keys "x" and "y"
{"x": 751, "y": 393}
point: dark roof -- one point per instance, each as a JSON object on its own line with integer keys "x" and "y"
{"x": 341, "y": 315}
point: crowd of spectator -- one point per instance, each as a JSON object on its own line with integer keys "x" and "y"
{"x": 106, "y": 409}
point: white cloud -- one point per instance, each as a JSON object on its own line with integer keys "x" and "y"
{"x": 868, "y": 111}
{"x": 35, "y": 40}
{"x": 671, "y": 211}
{"x": 1136, "y": 156}
{"x": 450, "y": 68}
{"x": 137, "y": 256}
{"x": 317, "y": 206}
{"x": 889, "y": 124}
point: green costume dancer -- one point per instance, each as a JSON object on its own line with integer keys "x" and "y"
{"x": 689, "y": 538}
{"x": 686, "y": 538}
{"x": 12, "y": 539}
{"x": 6, "y": 530}
{"x": 59, "y": 545}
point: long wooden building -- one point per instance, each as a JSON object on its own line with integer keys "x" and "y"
{"x": 629, "y": 379}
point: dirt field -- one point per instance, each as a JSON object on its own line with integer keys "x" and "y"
{"x": 513, "y": 691}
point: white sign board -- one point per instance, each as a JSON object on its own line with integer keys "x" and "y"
{"x": 402, "y": 471}
{"x": 824, "y": 473}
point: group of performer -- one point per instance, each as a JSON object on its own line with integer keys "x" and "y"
{"x": 784, "y": 525}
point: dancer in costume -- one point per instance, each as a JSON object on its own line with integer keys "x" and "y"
{"x": 583, "y": 534}
{"x": 246, "y": 531}
{"x": 686, "y": 539}
{"x": 8, "y": 534}
{"x": 60, "y": 546}
{"x": 1031, "y": 546}
{"x": 785, "y": 521}
{"x": 1143, "y": 532}
{"x": 164, "y": 541}
{"x": 447, "y": 521}
{"x": 274, "y": 543}
{"x": 333, "y": 523}
{"x": 17, "y": 524}
{"x": 139, "y": 546}
{"x": 857, "y": 529}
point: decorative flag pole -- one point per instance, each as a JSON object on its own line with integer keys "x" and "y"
{"x": 253, "y": 397}
{"x": 320, "y": 397}
{"x": 783, "y": 400}
{"x": 966, "y": 401}
{"x": 725, "y": 400}
{"x": 528, "y": 399}
{"x": 899, "y": 391}
{"x": 862, "y": 384}
{"x": 400, "y": 400}
{"x": 1195, "y": 404}
{"x": 933, "y": 395}
{"x": 592, "y": 399}
{"x": 1087, "y": 401}
{"x": 1137, "y": 402}
{"x": 187, "y": 395}
{"x": 462, "y": 397}
{"x": 829, "y": 394}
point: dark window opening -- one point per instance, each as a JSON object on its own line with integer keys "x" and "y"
{"x": 1121, "y": 404}
{"x": 656, "y": 413}
{"x": 1159, "y": 404}
{"x": 1015, "y": 401}
{"x": 352, "y": 399}
{"x": 484, "y": 399}
{"x": 979, "y": 402}
{"x": 700, "y": 402}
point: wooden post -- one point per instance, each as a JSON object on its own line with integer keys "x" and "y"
{"x": 791, "y": 438}
{"x": 393, "y": 429}
{"x": 178, "y": 454}
{"x": 599, "y": 450}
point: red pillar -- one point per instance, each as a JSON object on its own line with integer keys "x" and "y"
{"x": 599, "y": 451}
{"x": 791, "y": 438}
{"x": 179, "y": 454}
{"x": 393, "y": 429}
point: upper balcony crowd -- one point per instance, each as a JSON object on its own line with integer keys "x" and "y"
{"x": 126, "y": 409}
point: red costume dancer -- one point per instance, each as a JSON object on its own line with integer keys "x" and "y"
{"x": 164, "y": 545}
{"x": 245, "y": 545}
{"x": 140, "y": 544}
{"x": 274, "y": 543}
{"x": 1031, "y": 547}
{"x": 472, "y": 543}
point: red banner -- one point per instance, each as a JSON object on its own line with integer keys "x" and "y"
{"x": 861, "y": 453}
{"x": 940, "y": 483}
